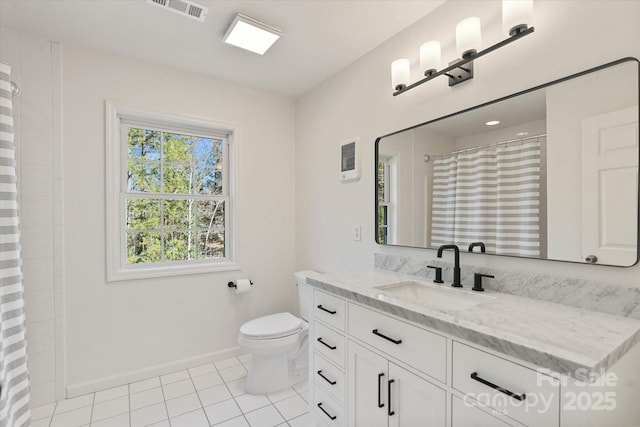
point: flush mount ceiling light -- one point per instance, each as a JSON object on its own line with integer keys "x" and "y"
{"x": 492, "y": 122}
{"x": 517, "y": 20}
{"x": 251, "y": 34}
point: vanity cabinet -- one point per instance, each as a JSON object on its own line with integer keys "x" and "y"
{"x": 373, "y": 369}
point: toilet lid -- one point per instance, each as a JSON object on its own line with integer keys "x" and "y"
{"x": 272, "y": 326}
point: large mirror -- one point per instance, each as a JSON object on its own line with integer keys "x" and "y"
{"x": 547, "y": 173}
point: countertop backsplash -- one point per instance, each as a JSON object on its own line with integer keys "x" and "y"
{"x": 588, "y": 294}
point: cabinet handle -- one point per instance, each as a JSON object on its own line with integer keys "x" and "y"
{"x": 325, "y": 378}
{"x": 332, "y": 417}
{"x": 331, "y": 347}
{"x": 375, "y": 332}
{"x": 380, "y": 404}
{"x": 389, "y": 411}
{"x": 474, "y": 375}
{"x": 324, "y": 309}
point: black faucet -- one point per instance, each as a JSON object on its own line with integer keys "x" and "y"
{"x": 456, "y": 269}
{"x": 475, "y": 244}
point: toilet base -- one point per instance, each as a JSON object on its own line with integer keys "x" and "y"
{"x": 271, "y": 373}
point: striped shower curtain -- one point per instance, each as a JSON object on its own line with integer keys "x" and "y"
{"x": 489, "y": 195}
{"x": 14, "y": 378}
{"x": 443, "y": 201}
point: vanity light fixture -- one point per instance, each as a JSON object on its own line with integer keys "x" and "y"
{"x": 517, "y": 20}
{"x": 251, "y": 34}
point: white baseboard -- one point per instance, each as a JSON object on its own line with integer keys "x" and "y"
{"x": 92, "y": 386}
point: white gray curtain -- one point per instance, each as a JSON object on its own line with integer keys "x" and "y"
{"x": 14, "y": 378}
{"x": 518, "y": 215}
{"x": 489, "y": 195}
{"x": 443, "y": 201}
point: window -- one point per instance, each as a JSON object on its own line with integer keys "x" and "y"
{"x": 383, "y": 201}
{"x": 169, "y": 195}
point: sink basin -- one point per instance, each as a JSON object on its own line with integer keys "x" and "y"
{"x": 432, "y": 295}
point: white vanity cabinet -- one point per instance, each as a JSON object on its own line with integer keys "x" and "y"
{"x": 373, "y": 369}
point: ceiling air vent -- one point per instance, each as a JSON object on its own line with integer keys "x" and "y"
{"x": 183, "y": 7}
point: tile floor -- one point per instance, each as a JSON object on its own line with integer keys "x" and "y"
{"x": 208, "y": 395}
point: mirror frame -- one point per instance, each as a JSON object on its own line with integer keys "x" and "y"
{"x": 504, "y": 98}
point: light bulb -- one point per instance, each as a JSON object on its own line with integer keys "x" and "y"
{"x": 430, "y": 57}
{"x": 517, "y": 15}
{"x": 468, "y": 35}
{"x": 400, "y": 73}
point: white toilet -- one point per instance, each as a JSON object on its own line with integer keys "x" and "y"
{"x": 278, "y": 345}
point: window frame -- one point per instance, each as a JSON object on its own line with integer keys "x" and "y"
{"x": 388, "y": 200}
{"x": 119, "y": 118}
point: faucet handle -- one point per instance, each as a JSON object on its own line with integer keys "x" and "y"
{"x": 438, "y": 270}
{"x": 477, "y": 281}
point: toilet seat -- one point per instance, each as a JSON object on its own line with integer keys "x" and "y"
{"x": 272, "y": 326}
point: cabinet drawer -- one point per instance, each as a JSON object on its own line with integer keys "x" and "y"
{"x": 534, "y": 399}
{"x": 329, "y": 377}
{"x": 414, "y": 346}
{"x": 329, "y": 343}
{"x": 326, "y": 410}
{"x": 464, "y": 414}
{"x": 330, "y": 309}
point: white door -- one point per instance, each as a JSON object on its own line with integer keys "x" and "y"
{"x": 415, "y": 401}
{"x": 367, "y": 387}
{"x": 610, "y": 187}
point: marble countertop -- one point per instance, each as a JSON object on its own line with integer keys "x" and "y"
{"x": 550, "y": 335}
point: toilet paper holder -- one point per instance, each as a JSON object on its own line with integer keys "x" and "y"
{"x": 233, "y": 285}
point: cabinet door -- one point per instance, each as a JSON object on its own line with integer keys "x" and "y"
{"x": 367, "y": 387}
{"x": 415, "y": 401}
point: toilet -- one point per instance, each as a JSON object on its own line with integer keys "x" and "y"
{"x": 278, "y": 344}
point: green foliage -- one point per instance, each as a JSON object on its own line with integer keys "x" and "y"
{"x": 163, "y": 224}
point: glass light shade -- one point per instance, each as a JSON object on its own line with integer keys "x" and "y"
{"x": 517, "y": 15}
{"x": 250, "y": 34}
{"x": 468, "y": 35}
{"x": 430, "y": 57}
{"x": 400, "y": 73}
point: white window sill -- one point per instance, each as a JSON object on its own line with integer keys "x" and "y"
{"x": 164, "y": 271}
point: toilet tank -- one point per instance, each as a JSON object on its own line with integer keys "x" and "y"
{"x": 305, "y": 294}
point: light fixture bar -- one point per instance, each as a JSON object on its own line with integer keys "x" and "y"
{"x": 467, "y": 60}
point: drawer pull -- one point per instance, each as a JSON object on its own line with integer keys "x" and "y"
{"x": 389, "y": 411}
{"x": 474, "y": 375}
{"x": 380, "y": 404}
{"x": 325, "y": 378}
{"x": 327, "y": 310}
{"x": 331, "y": 347}
{"x": 375, "y": 332}
{"x": 332, "y": 417}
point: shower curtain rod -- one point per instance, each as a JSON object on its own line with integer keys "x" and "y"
{"x": 430, "y": 156}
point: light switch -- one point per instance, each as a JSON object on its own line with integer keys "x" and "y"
{"x": 356, "y": 233}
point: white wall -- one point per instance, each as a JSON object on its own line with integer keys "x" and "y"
{"x": 569, "y": 37}
{"x": 35, "y": 66}
{"x": 117, "y": 330}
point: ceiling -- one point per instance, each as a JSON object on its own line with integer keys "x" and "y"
{"x": 320, "y": 36}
